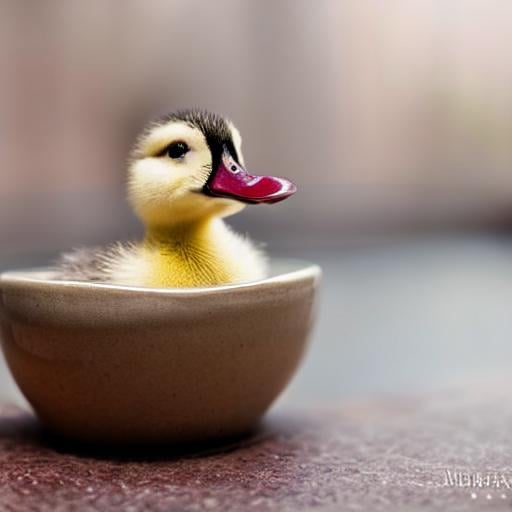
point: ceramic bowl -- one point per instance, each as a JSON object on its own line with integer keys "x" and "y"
{"x": 119, "y": 364}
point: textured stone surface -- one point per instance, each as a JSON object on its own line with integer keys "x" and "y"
{"x": 375, "y": 455}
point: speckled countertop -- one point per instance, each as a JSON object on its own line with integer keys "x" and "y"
{"x": 451, "y": 451}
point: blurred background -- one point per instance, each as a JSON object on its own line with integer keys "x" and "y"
{"x": 394, "y": 119}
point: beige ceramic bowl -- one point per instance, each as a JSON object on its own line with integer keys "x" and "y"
{"x": 117, "y": 364}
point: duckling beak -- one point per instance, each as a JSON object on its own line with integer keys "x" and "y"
{"x": 230, "y": 179}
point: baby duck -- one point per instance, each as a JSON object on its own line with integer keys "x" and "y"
{"x": 186, "y": 174}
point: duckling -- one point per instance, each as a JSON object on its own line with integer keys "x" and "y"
{"x": 186, "y": 174}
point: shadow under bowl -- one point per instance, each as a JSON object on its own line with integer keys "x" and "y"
{"x": 118, "y": 364}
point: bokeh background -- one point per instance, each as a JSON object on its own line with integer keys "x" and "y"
{"x": 394, "y": 119}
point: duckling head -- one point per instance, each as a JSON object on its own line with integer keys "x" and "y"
{"x": 188, "y": 165}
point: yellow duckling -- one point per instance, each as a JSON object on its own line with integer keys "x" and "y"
{"x": 186, "y": 174}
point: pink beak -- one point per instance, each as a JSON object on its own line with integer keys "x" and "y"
{"x": 232, "y": 180}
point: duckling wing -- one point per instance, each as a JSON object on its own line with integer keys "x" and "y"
{"x": 91, "y": 263}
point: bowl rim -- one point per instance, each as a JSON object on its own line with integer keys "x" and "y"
{"x": 301, "y": 270}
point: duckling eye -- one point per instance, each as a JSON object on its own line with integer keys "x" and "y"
{"x": 177, "y": 150}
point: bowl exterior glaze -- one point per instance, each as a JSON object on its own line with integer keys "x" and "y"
{"x": 114, "y": 364}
